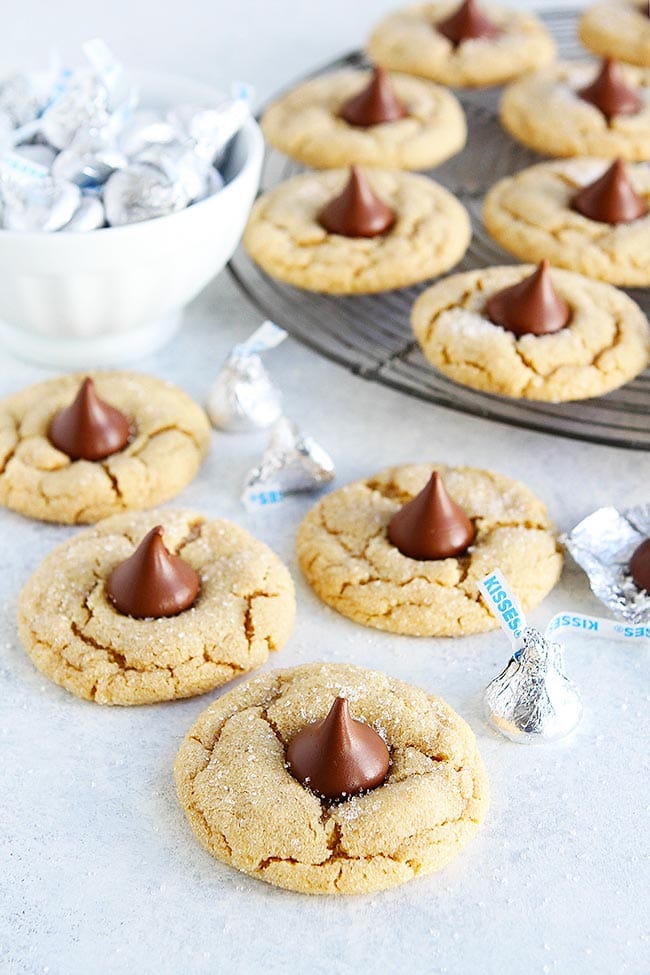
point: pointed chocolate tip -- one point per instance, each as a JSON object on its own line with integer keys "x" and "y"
{"x": 431, "y": 525}
{"x": 152, "y": 583}
{"x": 467, "y": 22}
{"x": 376, "y": 104}
{"x": 89, "y": 429}
{"x": 609, "y": 93}
{"x": 339, "y": 756}
{"x": 531, "y": 307}
{"x": 611, "y": 198}
{"x": 640, "y": 565}
{"x": 357, "y": 211}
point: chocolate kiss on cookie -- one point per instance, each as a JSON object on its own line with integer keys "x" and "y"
{"x": 532, "y": 307}
{"x": 640, "y": 565}
{"x": 339, "y": 756}
{"x": 467, "y": 23}
{"x": 89, "y": 429}
{"x": 357, "y": 211}
{"x": 611, "y": 198}
{"x": 609, "y": 93}
{"x": 431, "y": 525}
{"x": 377, "y": 103}
{"x": 152, "y": 582}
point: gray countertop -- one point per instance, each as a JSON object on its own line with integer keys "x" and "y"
{"x": 100, "y": 872}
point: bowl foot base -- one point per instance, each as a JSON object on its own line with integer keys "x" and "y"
{"x": 76, "y": 352}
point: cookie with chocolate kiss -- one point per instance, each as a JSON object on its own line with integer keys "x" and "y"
{"x": 89, "y": 429}
{"x": 611, "y": 198}
{"x": 376, "y": 104}
{"x": 431, "y": 525}
{"x": 640, "y": 566}
{"x": 357, "y": 211}
{"x": 339, "y": 756}
{"x": 609, "y": 92}
{"x": 468, "y": 22}
{"x": 152, "y": 583}
{"x": 531, "y": 307}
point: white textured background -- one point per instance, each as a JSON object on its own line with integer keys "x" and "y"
{"x": 98, "y": 871}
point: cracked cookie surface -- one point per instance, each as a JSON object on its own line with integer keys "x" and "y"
{"x": 606, "y": 343}
{"x": 247, "y": 810}
{"x": 618, "y": 29}
{"x": 408, "y": 41}
{"x": 345, "y": 555}
{"x": 305, "y": 124}
{"x": 430, "y": 234}
{"x": 530, "y": 215}
{"x": 77, "y": 638}
{"x": 570, "y": 126}
{"x": 171, "y": 436}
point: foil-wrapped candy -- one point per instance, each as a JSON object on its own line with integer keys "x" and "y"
{"x": 244, "y": 397}
{"x": 31, "y": 199}
{"x": 292, "y": 463}
{"x": 181, "y": 166}
{"x": 89, "y": 160}
{"x": 533, "y": 699}
{"x": 141, "y": 192}
{"x": 90, "y": 215}
{"x": 603, "y": 544}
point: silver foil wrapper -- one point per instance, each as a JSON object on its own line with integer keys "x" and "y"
{"x": 89, "y": 160}
{"x": 292, "y": 463}
{"x": 181, "y": 166}
{"x": 146, "y": 128}
{"x": 603, "y": 544}
{"x": 244, "y": 397}
{"x": 141, "y": 192}
{"x": 83, "y": 105}
{"x": 533, "y": 700}
{"x": 37, "y": 153}
{"x": 31, "y": 199}
{"x": 209, "y": 130}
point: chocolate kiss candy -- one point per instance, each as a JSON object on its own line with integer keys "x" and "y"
{"x": 377, "y": 103}
{"x": 431, "y": 525}
{"x": 466, "y": 23}
{"x": 339, "y": 756}
{"x": 609, "y": 93}
{"x": 610, "y": 199}
{"x": 640, "y": 565}
{"x": 89, "y": 429}
{"x": 152, "y": 582}
{"x": 358, "y": 211}
{"x": 531, "y": 307}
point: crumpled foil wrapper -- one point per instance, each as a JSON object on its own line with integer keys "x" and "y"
{"x": 244, "y": 397}
{"x": 533, "y": 700}
{"x": 292, "y": 463}
{"x": 603, "y": 544}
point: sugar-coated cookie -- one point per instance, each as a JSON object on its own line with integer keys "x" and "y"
{"x": 605, "y": 344}
{"x": 76, "y": 636}
{"x": 248, "y": 810}
{"x": 170, "y": 435}
{"x": 348, "y": 559}
{"x": 408, "y": 40}
{"x": 618, "y": 29}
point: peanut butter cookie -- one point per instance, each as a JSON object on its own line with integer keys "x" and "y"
{"x": 77, "y": 638}
{"x": 567, "y": 125}
{"x": 248, "y": 810}
{"x": 306, "y": 124}
{"x": 346, "y": 556}
{"x": 618, "y": 29}
{"x": 408, "y": 40}
{"x": 605, "y": 344}
{"x": 430, "y": 234}
{"x": 170, "y": 436}
{"x": 530, "y": 214}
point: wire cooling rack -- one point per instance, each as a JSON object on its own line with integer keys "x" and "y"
{"x": 371, "y": 335}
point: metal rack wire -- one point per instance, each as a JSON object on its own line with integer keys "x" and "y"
{"x": 371, "y": 335}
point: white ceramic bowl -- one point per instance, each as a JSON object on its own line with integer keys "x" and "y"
{"x": 79, "y": 300}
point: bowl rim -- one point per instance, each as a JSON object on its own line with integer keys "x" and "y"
{"x": 250, "y": 127}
